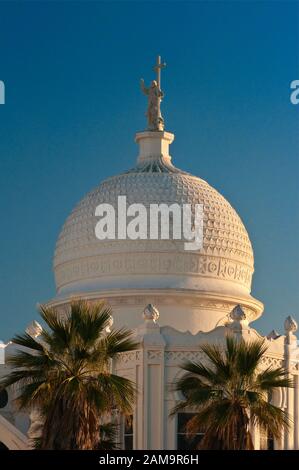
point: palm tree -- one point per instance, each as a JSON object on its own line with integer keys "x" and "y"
{"x": 229, "y": 392}
{"x": 108, "y": 437}
{"x": 65, "y": 373}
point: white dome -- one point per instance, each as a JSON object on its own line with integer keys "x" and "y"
{"x": 224, "y": 266}
{"x": 226, "y": 254}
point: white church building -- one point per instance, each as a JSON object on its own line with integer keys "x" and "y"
{"x": 173, "y": 299}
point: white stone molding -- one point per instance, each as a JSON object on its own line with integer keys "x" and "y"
{"x": 184, "y": 309}
{"x": 34, "y": 329}
{"x": 268, "y": 361}
{"x": 290, "y": 326}
{"x": 12, "y": 437}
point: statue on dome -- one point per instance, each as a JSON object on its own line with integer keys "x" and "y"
{"x": 155, "y": 121}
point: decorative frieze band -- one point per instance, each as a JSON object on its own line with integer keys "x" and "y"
{"x": 179, "y": 356}
{"x": 153, "y": 263}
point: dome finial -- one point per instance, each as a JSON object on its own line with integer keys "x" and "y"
{"x": 155, "y": 121}
{"x": 290, "y": 325}
{"x": 151, "y": 313}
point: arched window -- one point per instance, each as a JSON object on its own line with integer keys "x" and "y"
{"x": 128, "y": 432}
{"x": 3, "y": 398}
{"x": 185, "y": 442}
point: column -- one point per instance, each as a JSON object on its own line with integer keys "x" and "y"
{"x": 289, "y": 433}
{"x": 152, "y": 384}
{"x": 296, "y": 412}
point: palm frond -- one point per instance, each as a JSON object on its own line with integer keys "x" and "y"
{"x": 206, "y": 374}
{"x": 249, "y": 356}
{"x": 119, "y": 391}
{"x": 60, "y": 329}
{"x": 119, "y": 341}
{"x": 26, "y": 341}
{"x": 273, "y": 378}
{"x": 89, "y": 321}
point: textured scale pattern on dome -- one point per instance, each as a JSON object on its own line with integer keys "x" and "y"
{"x": 226, "y": 252}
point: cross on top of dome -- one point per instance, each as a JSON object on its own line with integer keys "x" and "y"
{"x": 157, "y": 68}
{"x": 155, "y": 121}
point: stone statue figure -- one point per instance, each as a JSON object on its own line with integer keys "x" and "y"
{"x": 155, "y": 121}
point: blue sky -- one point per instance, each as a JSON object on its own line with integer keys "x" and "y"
{"x": 73, "y": 105}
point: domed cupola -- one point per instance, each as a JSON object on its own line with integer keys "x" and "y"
{"x": 193, "y": 289}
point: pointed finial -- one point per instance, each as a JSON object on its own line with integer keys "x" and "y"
{"x": 109, "y": 324}
{"x": 237, "y": 320}
{"x": 273, "y": 335}
{"x": 151, "y": 313}
{"x": 290, "y": 325}
{"x": 155, "y": 121}
{"x": 238, "y": 314}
